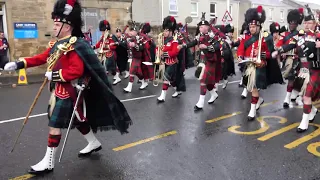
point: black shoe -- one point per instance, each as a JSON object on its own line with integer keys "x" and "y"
{"x": 286, "y": 105}
{"x": 301, "y": 130}
{"x": 251, "y": 118}
{"x": 196, "y": 108}
{"x": 160, "y": 101}
{"x": 46, "y": 171}
{"x": 243, "y": 97}
{"x": 89, "y": 153}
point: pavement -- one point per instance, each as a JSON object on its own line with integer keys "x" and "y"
{"x": 169, "y": 141}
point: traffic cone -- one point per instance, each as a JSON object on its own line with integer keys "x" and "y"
{"x": 22, "y": 79}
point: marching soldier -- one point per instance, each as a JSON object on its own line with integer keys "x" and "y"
{"x": 286, "y": 47}
{"x": 74, "y": 64}
{"x": 107, "y": 46}
{"x": 170, "y": 52}
{"x": 309, "y": 73}
{"x": 135, "y": 44}
{"x": 227, "y": 55}
{"x": 148, "y": 55}
{"x": 122, "y": 55}
{"x": 256, "y": 72}
{"x": 209, "y": 69}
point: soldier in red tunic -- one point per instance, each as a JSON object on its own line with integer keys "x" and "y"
{"x": 107, "y": 49}
{"x": 136, "y": 45}
{"x": 309, "y": 54}
{"x": 209, "y": 68}
{"x": 148, "y": 54}
{"x": 170, "y": 52}
{"x": 255, "y": 74}
{"x": 77, "y": 65}
{"x": 287, "y": 49}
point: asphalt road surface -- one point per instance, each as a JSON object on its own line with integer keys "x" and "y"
{"x": 169, "y": 141}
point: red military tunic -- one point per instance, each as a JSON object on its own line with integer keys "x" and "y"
{"x": 69, "y": 67}
{"x": 170, "y": 51}
{"x": 248, "y": 53}
{"x": 286, "y": 41}
{"x": 110, "y": 46}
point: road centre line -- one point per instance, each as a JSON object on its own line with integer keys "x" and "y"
{"x": 24, "y": 177}
{"x": 45, "y": 114}
{"x": 120, "y": 148}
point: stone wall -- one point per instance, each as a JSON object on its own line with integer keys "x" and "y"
{"x": 39, "y": 11}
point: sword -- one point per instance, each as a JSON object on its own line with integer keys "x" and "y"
{"x": 71, "y": 120}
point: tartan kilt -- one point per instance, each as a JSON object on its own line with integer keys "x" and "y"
{"x": 61, "y": 114}
{"x": 261, "y": 78}
{"x": 111, "y": 64}
{"x": 212, "y": 72}
{"x": 135, "y": 68}
{"x": 147, "y": 71}
{"x": 313, "y": 87}
{"x": 170, "y": 73}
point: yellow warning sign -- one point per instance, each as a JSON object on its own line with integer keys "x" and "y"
{"x": 22, "y": 79}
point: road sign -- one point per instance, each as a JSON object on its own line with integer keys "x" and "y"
{"x": 226, "y": 17}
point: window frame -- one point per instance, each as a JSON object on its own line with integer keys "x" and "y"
{"x": 282, "y": 15}
{"x": 173, "y": 11}
{"x": 215, "y": 10}
{"x": 195, "y": 14}
{"x": 271, "y": 14}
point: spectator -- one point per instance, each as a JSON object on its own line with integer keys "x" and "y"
{"x": 4, "y": 46}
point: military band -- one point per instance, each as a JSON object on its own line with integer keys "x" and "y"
{"x": 75, "y": 67}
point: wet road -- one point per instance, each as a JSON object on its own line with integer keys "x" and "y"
{"x": 170, "y": 140}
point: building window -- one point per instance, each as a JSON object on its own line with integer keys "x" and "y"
{"x": 91, "y": 18}
{"x": 173, "y": 7}
{"x": 282, "y": 16}
{"x": 271, "y": 14}
{"x": 194, "y": 9}
{"x": 213, "y": 9}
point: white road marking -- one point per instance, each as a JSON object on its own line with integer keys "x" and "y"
{"x": 231, "y": 82}
{"x": 44, "y": 114}
{"x": 125, "y": 100}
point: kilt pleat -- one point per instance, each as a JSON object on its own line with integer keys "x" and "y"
{"x": 313, "y": 88}
{"x": 61, "y": 114}
{"x": 170, "y": 73}
{"x": 261, "y": 78}
{"x": 212, "y": 72}
{"x": 135, "y": 68}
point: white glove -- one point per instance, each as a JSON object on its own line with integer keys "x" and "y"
{"x": 274, "y": 54}
{"x": 49, "y": 75}
{"x": 304, "y": 73}
{"x": 129, "y": 60}
{"x": 10, "y": 66}
{"x": 80, "y": 88}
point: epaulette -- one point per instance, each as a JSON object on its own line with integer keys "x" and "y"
{"x": 51, "y": 43}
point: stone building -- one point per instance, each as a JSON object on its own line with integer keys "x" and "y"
{"x": 117, "y": 12}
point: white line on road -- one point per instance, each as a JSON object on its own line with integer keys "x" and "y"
{"x": 44, "y": 114}
{"x": 125, "y": 100}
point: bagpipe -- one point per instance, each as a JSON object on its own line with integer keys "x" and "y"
{"x": 201, "y": 60}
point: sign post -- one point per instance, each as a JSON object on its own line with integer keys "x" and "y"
{"x": 226, "y": 17}
{"x": 25, "y": 30}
